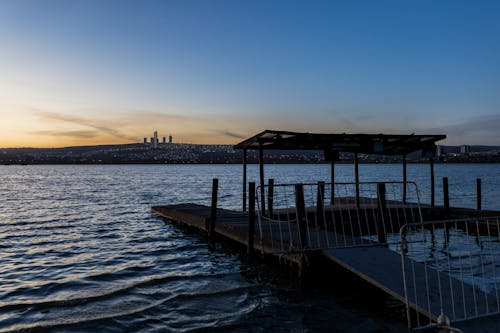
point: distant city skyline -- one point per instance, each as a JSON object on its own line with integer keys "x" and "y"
{"x": 108, "y": 72}
{"x": 155, "y": 140}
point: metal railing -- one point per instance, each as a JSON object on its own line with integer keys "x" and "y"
{"x": 300, "y": 217}
{"x": 450, "y": 270}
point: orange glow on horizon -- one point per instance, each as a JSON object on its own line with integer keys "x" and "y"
{"x": 58, "y": 142}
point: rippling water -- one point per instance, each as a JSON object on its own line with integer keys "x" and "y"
{"x": 81, "y": 251}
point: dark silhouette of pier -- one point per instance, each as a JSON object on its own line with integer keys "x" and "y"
{"x": 378, "y": 231}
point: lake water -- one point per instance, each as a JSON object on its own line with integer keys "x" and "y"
{"x": 80, "y": 251}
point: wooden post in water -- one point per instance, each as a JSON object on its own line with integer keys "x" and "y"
{"x": 245, "y": 180}
{"x": 301, "y": 215}
{"x": 213, "y": 209}
{"x": 446, "y": 196}
{"x": 382, "y": 206}
{"x": 479, "y": 195}
{"x": 270, "y": 196}
{"x": 320, "y": 197}
{"x": 261, "y": 174}
{"x": 356, "y": 177}
{"x": 433, "y": 189}
{"x": 332, "y": 178}
{"x": 251, "y": 217}
{"x": 404, "y": 179}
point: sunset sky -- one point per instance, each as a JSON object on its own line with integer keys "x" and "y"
{"x": 94, "y": 72}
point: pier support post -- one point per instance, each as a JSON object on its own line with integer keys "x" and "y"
{"x": 433, "y": 188}
{"x": 356, "y": 177}
{"x": 270, "y": 196}
{"x": 404, "y": 179}
{"x": 320, "y": 197}
{"x": 446, "y": 196}
{"x": 245, "y": 180}
{"x": 251, "y": 217}
{"x": 479, "y": 195}
{"x": 213, "y": 208}
{"x": 301, "y": 215}
{"x": 261, "y": 174}
{"x": 382, "y": 207}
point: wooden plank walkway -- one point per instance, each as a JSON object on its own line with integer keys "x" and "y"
{"x": 379, "y": 266}
{"x": 375, "y": 264}
{"x": 230, "y": 224}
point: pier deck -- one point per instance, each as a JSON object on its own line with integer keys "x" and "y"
{"x": 381, "y": 267}
{"x": 376, "y": 264}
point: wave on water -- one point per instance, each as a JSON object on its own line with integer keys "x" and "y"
{"x": 80, "y": 251}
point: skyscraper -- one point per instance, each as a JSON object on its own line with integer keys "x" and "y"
{"x": 155, "y": 142}
{"x": 164, "y": 141}
{"x": 145, "y": 140}
{"x": 170, "y": 139}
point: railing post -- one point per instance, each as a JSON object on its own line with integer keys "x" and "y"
{"x": 251, "y": 217}
{"x": 446, "y": 196}
{"x": 320, "y": 197}
{"x": 301, "y": 215}
{"x": 270, "y": 196}
{"x": 479, "y": 195}
{"x": 213, "y": 208}
{"x": 382, "y": 206}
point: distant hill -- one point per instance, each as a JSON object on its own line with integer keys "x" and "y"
{"x": 198, "y": 153}
{"x": 145, "y": 153}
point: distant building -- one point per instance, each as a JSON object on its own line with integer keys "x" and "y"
{"x": 464, "y": 149}
{"x": 164, "y": 140}
{"x": 152, "y": 140}
{"x": 155, "y": 143}
{"x": 145, "y": 140}
{"x": 169, "y": 139}
{"x": 439, "y": 150}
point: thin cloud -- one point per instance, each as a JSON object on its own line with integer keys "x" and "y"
{"x": 152, "y": 115}
{"x": 474, "y": 130}
{"x": 69, "y": 134}
{"x": 51, "y": 116}
{"x": 232, "y": 135}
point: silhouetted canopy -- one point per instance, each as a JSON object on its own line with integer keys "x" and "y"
{"x": 382, "y": 144}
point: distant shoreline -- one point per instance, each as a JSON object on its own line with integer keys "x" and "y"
{"x": 177, "y": 153}
{"x": 249, "y": 163}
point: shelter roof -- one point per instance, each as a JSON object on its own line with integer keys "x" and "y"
{"x": 383, "y": 144}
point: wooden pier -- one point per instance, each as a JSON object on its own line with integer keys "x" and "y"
{"x": 354, "y": 230}
{"x": 231, "y": 225}
{"x": 384, "y": 275}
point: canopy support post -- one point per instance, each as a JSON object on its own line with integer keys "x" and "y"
{"x": 245, "y": 180}
{"x": 261, "y": 174}
{"x": 433, "y": 188}
{"x": 404, "y": 179}
{"x": 356, "y": 176}
{"x": 332, "y": 177}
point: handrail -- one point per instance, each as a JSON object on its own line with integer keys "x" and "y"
{"x": 454, "y": 268}
{"x": 342, "y": 223}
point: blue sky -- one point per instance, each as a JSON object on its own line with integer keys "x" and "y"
{"x": 84, "y": 72}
